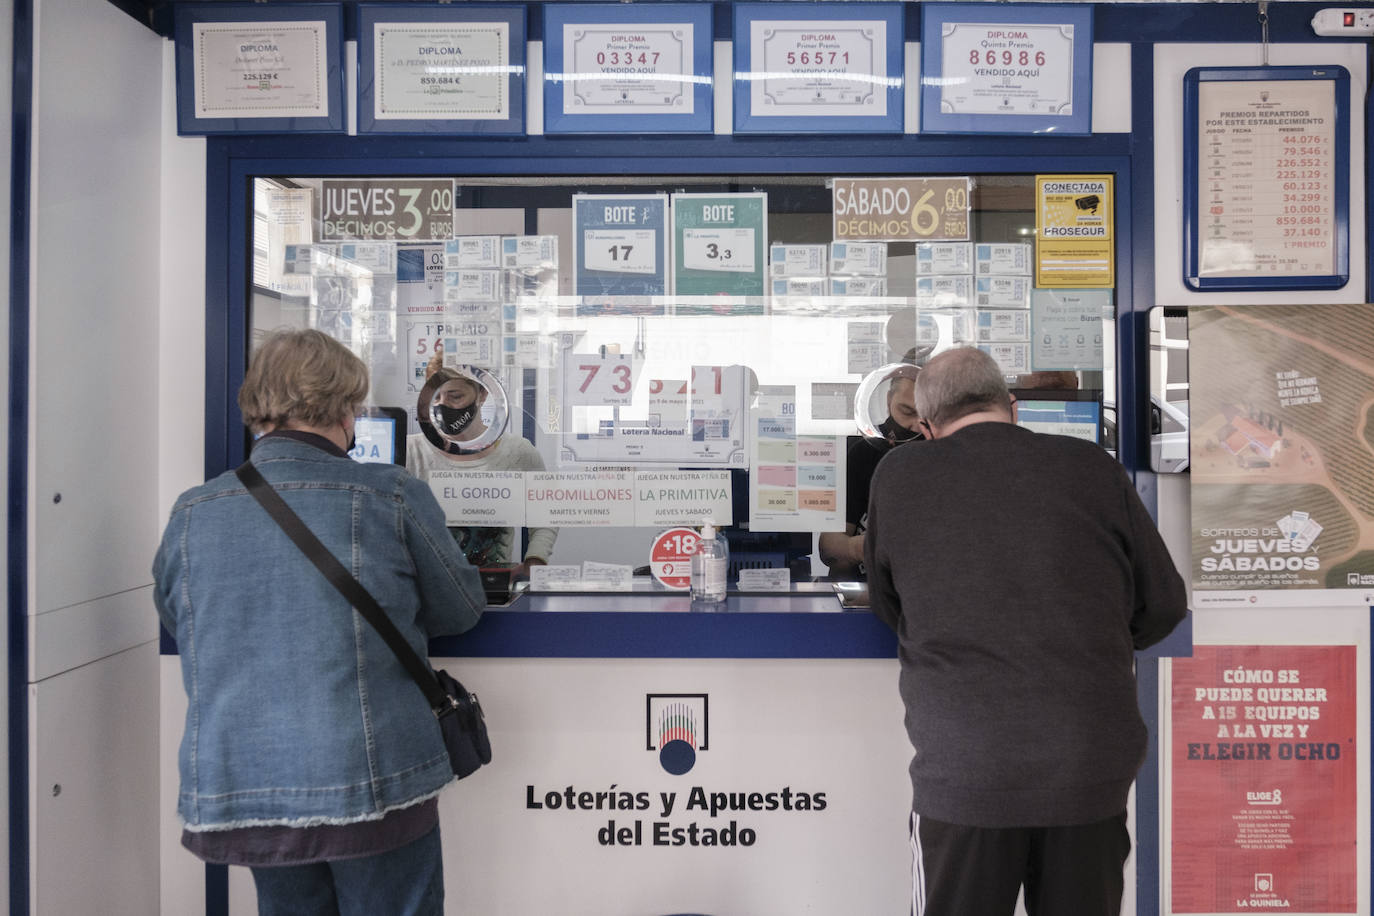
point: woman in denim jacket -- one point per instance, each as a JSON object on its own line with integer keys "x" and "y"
{"x": 310, "y": 755}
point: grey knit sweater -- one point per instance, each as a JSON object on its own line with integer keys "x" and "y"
{"x": 1019, "y": 571}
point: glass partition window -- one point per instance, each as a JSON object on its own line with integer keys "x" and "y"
{"x": 577, "y": 366}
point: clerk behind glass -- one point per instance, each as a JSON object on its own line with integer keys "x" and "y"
{"x": 843, "y": 552}
{"x": 459, "y": 399}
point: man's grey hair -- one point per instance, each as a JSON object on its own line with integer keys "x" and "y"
{"x": 960, "y": 382}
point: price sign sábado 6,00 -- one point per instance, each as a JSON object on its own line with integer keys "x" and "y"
{"x": 900, "y": 209}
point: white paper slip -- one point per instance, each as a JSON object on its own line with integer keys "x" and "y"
{"x": 833, "y": 400}
{"x": 378, "y": 257}
{"x": 864, "y": 259}
{"x": 1307, "y": 535}
{"x": 858, "y": 286}
{"x": 1003, "y": 292}
{"x": 472, "y": 285}
{"x": 799, "y": 286}
{"x": 945, "y": 327}
{"x": 765, "y": 580}
{"x": 952, "y": 291}
{"x": 1003, "y": 324}
{"x": 554, "y": 578}
{"x": 473, "y": 252}
{"x": 529, "y": 252}
{"x": 943, "y": 258}
{"x": 1008, "y": 258}
{"x": 607, "y": 575}
{"x": 1011, "y": 358}
{"x": 796, "y": 260}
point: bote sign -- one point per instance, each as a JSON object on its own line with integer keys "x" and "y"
{"x": 900, "y": 209}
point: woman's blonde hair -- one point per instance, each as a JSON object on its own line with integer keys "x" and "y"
{"x": 304, "y": 378}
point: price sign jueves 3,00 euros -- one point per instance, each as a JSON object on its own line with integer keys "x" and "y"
{"x": 900, "y": 209}
{"x": 376, "y": 209}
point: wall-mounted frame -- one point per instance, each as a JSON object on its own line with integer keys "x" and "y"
{"x": 619, "y": 68}
{"x": 254, "y": 68}
{"x": 1266, "y": 178}
{"x": 819, "y": 68}
{"x": 441, "y": 69}
{"x": 1000, "y": 68}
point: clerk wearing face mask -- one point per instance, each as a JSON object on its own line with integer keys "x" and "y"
{"x": 843, "y": 553}
{"x": 458, "y": 401}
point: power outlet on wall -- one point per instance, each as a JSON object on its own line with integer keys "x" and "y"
{"x": 1338, "y": 22}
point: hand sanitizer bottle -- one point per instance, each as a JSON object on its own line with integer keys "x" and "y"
{"x": 710, "y": 566}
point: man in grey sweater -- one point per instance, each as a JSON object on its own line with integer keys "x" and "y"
{"x": 1019, "y": 571}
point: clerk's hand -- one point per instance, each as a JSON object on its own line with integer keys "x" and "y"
{"x": 523, "y": 570}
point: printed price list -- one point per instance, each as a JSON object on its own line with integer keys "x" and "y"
{"x": 1266, "y": 167}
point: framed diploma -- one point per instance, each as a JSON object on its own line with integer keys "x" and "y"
{"x": 620, "y": 68}
{"x": 1002, "y": 68}
{"x": 441, "y": 69}
{"x": 1266, "y": 178}
{"x": 818, "y": 67}
{"x": 253, "y": 68}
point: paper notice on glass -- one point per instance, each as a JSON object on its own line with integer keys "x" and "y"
{"x": 611, "y": 68}
{"x": 833, "y": 400}
{"x": 442, "y": 71}
{"x": 419, "y": 280}
{"x": 668, "y": 498}
{"x": 490, "y": 499}
{"x": 261, "y": 69}
{"x": 867, "y": 348}
{"x": 793, "y": 480}
{"x": 591, "y": 499}
{"x": 473, "y": 252}
{"x": 831, "y": 68}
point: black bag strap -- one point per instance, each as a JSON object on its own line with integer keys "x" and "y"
{"x": 347, "y": 584}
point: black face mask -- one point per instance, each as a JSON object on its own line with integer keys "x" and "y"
{"x": 896, "y": 433}
{"x": 352, "y": 442}
{"x": 456, "y": 419}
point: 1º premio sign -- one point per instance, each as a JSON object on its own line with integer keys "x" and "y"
{"x": 900, "y": 209}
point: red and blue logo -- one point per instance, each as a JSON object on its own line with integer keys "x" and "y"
{"x": 678, "y": 726}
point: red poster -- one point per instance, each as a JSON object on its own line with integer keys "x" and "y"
{"x": 1264, "y": 780}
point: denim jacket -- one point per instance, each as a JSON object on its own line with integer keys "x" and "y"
{"x": 298, "y": 713}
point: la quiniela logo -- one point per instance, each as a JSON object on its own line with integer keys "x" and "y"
{"x": 677, "y": 726}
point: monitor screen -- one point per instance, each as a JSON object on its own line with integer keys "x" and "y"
{"x": 380, "y": 436}
{"x": 1080, "y": 419}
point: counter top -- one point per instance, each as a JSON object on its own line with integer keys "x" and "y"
{"x": 803, "y": 623}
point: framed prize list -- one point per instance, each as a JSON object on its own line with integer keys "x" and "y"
{"x": 1006, "y": 68}
{"x": 819, "y": 68}
{"x": 1266, "y": 178}
{"x": 253, "y": 68}
{"x": 621, "y": 68}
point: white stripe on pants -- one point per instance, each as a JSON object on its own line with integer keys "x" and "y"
{"x": 918, "y": 869}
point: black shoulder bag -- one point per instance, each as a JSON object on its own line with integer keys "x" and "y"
{"x": 460, "y": 715}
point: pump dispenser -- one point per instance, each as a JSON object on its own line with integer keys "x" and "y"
{"x": 710, "y": 567}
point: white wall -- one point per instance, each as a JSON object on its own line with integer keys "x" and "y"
{"x": 93, "y": 433}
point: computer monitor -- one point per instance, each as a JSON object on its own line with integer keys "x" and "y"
{"x": 1060, "y": 411}
{"x": 380, "y": 434}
